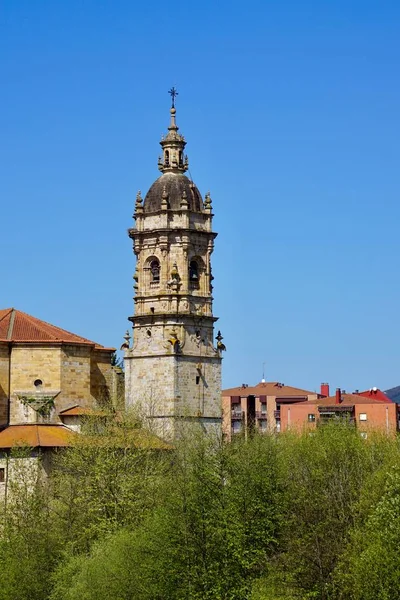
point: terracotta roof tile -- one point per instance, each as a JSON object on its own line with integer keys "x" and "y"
{"x": 267, "y": 388}
{"x": 347, "y": 400}
{"x": 375, "y": 394}
{"x": 44, "y": 436}
{"x": 17, "y": 326}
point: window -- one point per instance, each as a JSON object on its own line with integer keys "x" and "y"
{"x": 236, "y": 426}
{"x": 193, "y": 271}
{"x": 263, "y": 425}
{"x": 363, "y": 416}
{"x": 38, "y": 383}
{"x": 263, "y": 408}
{"x": 311, "y": 418}
{"x": 155, "y": 271}
{"x": 2, "y": 475}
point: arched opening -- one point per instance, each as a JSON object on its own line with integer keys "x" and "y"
{"x": 155, "y": 271}
{"x": 180, "y": 158}
{"x": 194, "y": 271}
{"x": 166, "y": 161}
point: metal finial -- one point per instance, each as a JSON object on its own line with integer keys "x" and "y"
{"x": 174, "y": 94}
{"x": 127, "y": 338}
{"x": 220, "y": 345}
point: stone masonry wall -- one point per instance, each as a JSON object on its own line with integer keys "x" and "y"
{"x": 4, "y": 382}
{"x": 85, "y": 376}
{"x": 199, "y": 384}
{"x": 162, "y": 388}
{"x": 75, "y": 377}
{"x": 101, "y": 377}
{"x": 72, "y": 374}
{"x": 150, "y": 385}
{"x": 29, "y": 363}
{"x": 22, "y": 471}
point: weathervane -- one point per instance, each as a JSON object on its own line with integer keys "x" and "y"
{"x": 174, "y": 94}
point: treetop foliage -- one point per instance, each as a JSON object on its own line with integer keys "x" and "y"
{"x": 286, "y": 517}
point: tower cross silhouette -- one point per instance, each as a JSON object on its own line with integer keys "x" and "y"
{"x": 174, "y": 94}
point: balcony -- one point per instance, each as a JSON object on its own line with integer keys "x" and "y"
{"x": 261, "y": 414}
{"x": 325, "y": 419}
{"x": 237, "y": 415}
{"x": 277, "y": 414}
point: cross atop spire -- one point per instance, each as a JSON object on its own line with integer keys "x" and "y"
{"x": 174, "y": 93}
{"x": 173, "y": 144}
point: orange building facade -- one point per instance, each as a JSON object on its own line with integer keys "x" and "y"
{"x": 274, "y": 407}
{"x": 367, "y": 413}
{"x": 247, "y": 408}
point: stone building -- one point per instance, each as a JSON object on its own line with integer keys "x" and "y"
{"x": 45, "y": 370}
{"x": 49, "y": 379}
{"x": 173, "y": 369}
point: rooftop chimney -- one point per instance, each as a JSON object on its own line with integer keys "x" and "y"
{"x": 325, "y": 389}
{"x": 338, "y": 396}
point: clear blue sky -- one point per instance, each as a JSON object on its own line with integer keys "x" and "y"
{"x": 291, "y": 113}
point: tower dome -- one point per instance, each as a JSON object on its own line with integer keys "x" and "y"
{"x": 173, "y": 187}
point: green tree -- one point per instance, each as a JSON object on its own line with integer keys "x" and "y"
{"x": 29, "y": 545}
{"x": 370, "y": 568}
{"x": 323, "y": 475}
{"x": 109, "y": 479}
{"x": 222, "y": 517}
{"x": 210, "y": 538}
{"x": 116, "y": 361}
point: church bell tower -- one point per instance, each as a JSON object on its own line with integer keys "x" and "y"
{"x": 173, "y": 368}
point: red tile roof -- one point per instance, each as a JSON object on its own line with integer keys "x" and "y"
{"x": 347, "y": 400}
{"x": 56, "y": 436}
{"x": 44, "y": 436}
{"x": 267, "y": 388}
{"x": 17, "y": 326}
{"x": 376, "y": 394}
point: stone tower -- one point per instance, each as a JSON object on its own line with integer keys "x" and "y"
{"x": 173, "y": 369}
